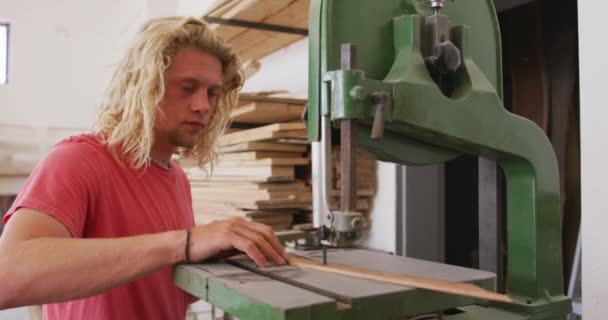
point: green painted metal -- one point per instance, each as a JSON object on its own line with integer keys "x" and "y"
{"x": 422, "y": 126}
{"x": 225, "y": 290}
{"x": 192, "y": 281}
{"x": 222, "y": 291}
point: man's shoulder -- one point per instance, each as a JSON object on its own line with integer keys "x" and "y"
{"x": 84, "y": 140}
{"x": 82, "y": 148}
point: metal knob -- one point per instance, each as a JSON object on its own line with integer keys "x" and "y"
{"x": 436, "y": 4}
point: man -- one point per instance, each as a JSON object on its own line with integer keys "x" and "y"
{"x": 104, "y": 217}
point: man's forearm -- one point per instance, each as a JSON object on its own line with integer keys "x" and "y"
{"x": 44, "y": 270}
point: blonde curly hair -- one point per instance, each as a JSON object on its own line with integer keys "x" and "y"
{"x": 131, "y": 103}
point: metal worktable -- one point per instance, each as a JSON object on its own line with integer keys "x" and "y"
{"x": 321, "y": 295}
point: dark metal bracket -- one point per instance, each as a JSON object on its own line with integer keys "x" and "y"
{"x": 256, "y": 25}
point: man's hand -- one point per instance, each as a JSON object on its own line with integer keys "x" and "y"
{"x": 256, "y": 240}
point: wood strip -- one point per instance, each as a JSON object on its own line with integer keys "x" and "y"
{"x": 293, "y": 141}
{"x": 367, "y": 192}
{"x": 254, "y": 171}
{"x": 265, "y": 162}
{"x": 257, "y": 43}
{"x": 261, "y": 179}
{"x": 262, "y": 146}
{"x": 249, "y": 10}
{"x": 250, "y": 196}
{"x": 272, "y": 131}
{"x": 250, "y": 174}
{"x": 263, "y": 204}
{"x": 269, "y": 46}
{"x": 257, "y": 155}
{"x": 203, "y": 208}
{"x": 202, "y": 186}
{"x": 294, "y": 15}
{"x": 463, "y": 289}
{"x": 267, "y": 112}
{"x": 247, "y": 97}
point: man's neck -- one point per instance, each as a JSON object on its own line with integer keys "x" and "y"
{"x": 161, "y": 155}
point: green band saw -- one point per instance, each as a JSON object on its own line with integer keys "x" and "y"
{"x": 414, "y": 82}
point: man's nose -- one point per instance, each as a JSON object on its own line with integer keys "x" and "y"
{"x": 200, "y": 101}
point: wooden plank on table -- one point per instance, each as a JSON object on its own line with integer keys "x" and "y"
{"x": 267, "y": 112}
{"x": 252, "y": 41}
{"x": 462, "y": 289}
{"x": 265, "y": 162}
{"x": 268, "y": 132}
{"x": 257, "y": 155}
{"x": 262, "y": 146}
{"x": 248, "y": 10}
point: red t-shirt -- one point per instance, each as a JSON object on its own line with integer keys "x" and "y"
{"x": 81, "y": 185}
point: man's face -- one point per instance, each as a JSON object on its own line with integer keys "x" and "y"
{"x": 192, "y": 88}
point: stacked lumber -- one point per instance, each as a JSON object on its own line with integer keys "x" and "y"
{"x": 255, "y": 177}
{"x": 366, "y": 187}
{"x": 366, "y": 180}
{"x": 252, "y": 44}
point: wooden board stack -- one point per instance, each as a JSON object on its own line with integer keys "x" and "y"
{"x": 366, "y": 180}
{"x": 255, "y": 177}
{"x": 253, "y": 44}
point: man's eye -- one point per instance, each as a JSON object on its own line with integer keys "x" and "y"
{"x": 188, "y": 89}
{"x": 213, "y": 93}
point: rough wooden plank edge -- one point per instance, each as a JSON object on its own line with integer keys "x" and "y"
{"x": 463, "y": 289}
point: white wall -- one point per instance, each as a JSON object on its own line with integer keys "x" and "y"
{"x": 594, "y": 156}
{"x": 60, "y": 60}
{"x": 286, "y": 69}
{"x": 63, "y": 52}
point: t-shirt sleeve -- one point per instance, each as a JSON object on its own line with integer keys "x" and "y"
{"x": 61, "y": 185}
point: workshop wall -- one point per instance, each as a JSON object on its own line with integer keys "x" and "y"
{"x": 594, "y": 154}
{"x": 60, "y": 58}
{"x": 62, "y": 55}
